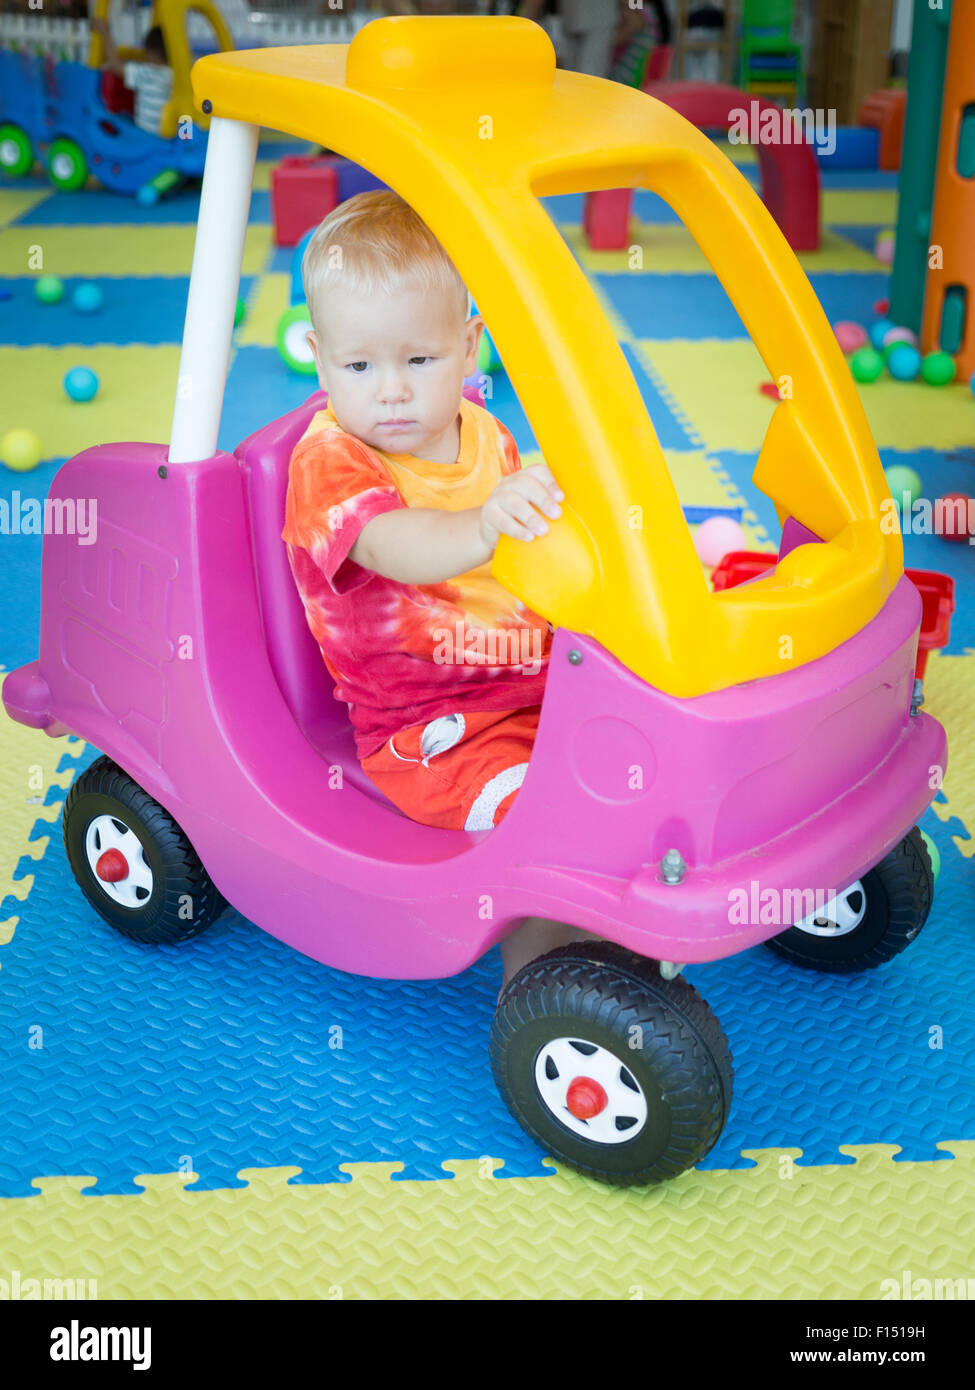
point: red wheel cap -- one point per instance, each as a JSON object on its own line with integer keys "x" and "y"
{"x": 585, "y": 1098}
{"x": 112, "y": 866}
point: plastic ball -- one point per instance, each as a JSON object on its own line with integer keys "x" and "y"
{"x": 81, "y": 384}
{"x": 904, "y": 362}
{"x": 716, "y": 537}
{"x": 20, "y": 450}
{"x": 850, "y": 336}
{"x": 933, "y": 854}
{"x": 87, "y": 298}
{"x": 938, "y": 368}
{"x": 899, "y": 335}
{"x": 884, "y": 248}
{"x": 49, "y": 289}
{"x": 879, "y": 331}
{"x": 866, "y": 364}
{"x": 239, "y": 312}
{"x": 951, "y": 514}
{"x": 903, "y": 482}
{"x": 487, "y": 354}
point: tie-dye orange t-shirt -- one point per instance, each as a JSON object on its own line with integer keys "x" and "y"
{"x": 403, "y": 654}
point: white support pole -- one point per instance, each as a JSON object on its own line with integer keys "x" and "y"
{"x": 214, "y": 281}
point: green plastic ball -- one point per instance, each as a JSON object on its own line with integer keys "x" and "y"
{"x": 487, "y": 358}
{"x": 903, "y": 481}
{"x": 49, "y": 289}
{"x": 866, "y": 364}
{"x": 20, "y": 450}
{"x": 933, "y": 854}
{"x": 938, "y": 368}
{"x": 239, "y": 312}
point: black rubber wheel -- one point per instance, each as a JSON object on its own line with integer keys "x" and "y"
{"x": 176, "y": 898}
{"x": 593, "y": 1007}
{"x": 896, "y": 899}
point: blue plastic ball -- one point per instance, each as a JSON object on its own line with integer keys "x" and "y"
{"x": 87, "y": 298}
{"x": 81, "y": 384}
{"x": 904, "y": 362}
{"x": 879, "y": 331}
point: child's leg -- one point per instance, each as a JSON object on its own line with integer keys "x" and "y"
{"x": 536, "y": 937}
{"x": 458, "y": 772}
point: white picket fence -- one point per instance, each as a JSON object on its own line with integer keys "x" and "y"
{"x": 56, "y": 38}
{"x": 270, "y": 28}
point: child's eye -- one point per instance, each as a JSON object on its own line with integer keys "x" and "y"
{"x": 358, "y": 366}
{"x": 421, "y": 360}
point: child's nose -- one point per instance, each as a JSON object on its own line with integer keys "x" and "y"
{"x": 393, "y": 387}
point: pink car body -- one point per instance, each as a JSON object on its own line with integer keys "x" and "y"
{"x": 177, "y": 644}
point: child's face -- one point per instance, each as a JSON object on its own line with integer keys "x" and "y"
{"x": 394, "y": 365}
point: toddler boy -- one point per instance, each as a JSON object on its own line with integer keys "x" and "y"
{"x": 397, "y": 495}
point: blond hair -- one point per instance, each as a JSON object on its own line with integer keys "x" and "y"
{"x": 376, "y": 242}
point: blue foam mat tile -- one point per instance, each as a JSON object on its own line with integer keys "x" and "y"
{"x": 867, "y": 180}
{"x": 672, "y": 430}
{"x": 221, "y": 1054}
{"x": 655, "y": 306}
{"x": 259, "y": 388}
{"x": 137, "y": 309}
{"x": 20, "y": 620}
{"x": 96, "y": 206}
{"x": 861, "y": 235}
{"x": 850, "y": 295}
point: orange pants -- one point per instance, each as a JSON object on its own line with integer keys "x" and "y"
{"x": 458, "y": 772}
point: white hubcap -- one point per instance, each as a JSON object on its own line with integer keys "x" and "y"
{"x": 108, "y": 832}
{"x": 567, "y": 1060}
{"x": 840, "y": 916}
{"x": 62, "y": 166}
{"x": 9, "y": 153}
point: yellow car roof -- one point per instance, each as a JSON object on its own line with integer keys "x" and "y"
{"x": 468, "y": 119}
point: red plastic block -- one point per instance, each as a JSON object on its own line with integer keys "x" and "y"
{"x": 884, "y": 111}
{"x": 303, "y": 190}
{"x": 606, "y": 220}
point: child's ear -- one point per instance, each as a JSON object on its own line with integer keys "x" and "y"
{"x": 311, "y": 338}
{"x": 473, "y": 328}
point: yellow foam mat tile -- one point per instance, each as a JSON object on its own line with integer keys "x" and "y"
{"x": 137, "y": 386}
{"x": 913, "y": 415}
{"x": 715, "y": 383}
{"x": 669, "y": 249}
{"x": 262, "y": 175}
{"x": 860, "y": 207}
{"x": 14, "y": 202}
{"x": 772, "y": 1231}
{"x": 166, "y": 249}
{"x": 28, "y": 760}
{"x": 268, "y": 300}
{"x": 948, "y": 682}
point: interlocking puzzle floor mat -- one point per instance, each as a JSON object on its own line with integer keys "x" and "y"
{"x": 181, "y": 1123}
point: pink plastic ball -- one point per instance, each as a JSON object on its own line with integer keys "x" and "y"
{"x": 884, "y": 248}
{"x": 899, "y": 335}
{"x": 716, "y": 537}
{"x": 850, "y": 336}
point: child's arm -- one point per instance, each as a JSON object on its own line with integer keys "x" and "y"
{"x": 112, "y": 60}
{"x": 424, "y": 545}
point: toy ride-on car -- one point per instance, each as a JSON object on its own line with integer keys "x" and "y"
{"x": 699, "y": 754}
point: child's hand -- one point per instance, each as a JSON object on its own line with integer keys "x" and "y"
{"x": 515, "y": 506}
